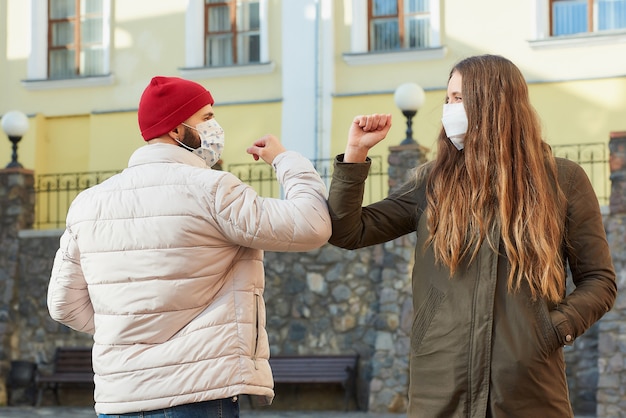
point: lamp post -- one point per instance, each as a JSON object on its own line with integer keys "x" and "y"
{"x": 15, "y": 125}
{"x": 409, "y": 97}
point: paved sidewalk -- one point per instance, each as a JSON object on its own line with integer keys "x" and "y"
{"x": 88, "y": 412}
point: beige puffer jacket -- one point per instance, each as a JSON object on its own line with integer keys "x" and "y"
{"x": 163, "y": 263}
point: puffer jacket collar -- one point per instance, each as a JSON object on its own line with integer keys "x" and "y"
{"x": 165, "y": 153}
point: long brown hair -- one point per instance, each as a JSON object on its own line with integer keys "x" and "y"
{"x": 504, "y": 181}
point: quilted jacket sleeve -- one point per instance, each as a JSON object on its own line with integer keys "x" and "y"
{"x": 68, "y": 298}
{"x": 299, "y": 222}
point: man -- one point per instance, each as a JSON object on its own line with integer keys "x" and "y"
{"x": 163, "y": 263}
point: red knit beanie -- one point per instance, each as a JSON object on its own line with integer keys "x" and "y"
{"x": 167, "y": 102}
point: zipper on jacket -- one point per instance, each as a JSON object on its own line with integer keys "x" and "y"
{"x": 255, "y": 336}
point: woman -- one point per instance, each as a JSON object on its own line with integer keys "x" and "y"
{"x": 498, "y": 219}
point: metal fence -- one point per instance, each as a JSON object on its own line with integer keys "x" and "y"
{"x": 594, "y": 159}
{"x": 263, "y": 178}
{"x": 55, "y": 192}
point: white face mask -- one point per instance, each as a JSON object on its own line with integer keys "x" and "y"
{"x": 454, "y": 121}
{"x": 211, "y": 141}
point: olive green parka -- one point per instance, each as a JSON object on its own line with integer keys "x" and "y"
{"x": 478, "y": 350}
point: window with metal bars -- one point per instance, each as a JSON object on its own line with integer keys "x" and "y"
{"x": 570, "y": 17}
{"x": 75, "y": 38}
{"x": 399, "y": 24}
{"x": 232, "y": 32}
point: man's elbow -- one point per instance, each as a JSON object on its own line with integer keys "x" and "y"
{"x": 311, "y": 239}
{"x": 322, "y": 236}
{"x": 79, "y": 318}
{"x": 318, "y": 237}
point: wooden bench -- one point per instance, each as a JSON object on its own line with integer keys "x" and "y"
{"x": 340, "y": 369}
{"x": 72, "y": 365}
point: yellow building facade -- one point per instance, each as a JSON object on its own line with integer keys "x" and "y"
{"x": 315, "y": 65}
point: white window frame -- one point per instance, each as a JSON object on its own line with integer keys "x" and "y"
{"x": 359, "y": 40}
{"x": 194, "y": 47}
{"x": 540, "y": 32}
{"x": 37, "y": 66}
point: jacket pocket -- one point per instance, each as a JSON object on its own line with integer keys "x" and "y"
{"x": 425, "y": 315}
{"x": 549, "y": 334}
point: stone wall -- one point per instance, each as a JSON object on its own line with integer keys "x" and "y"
{"x": 611, "y": 393}
{"x": 582, "y": 372}
{"x": 16, "y": 213}
{"x": 36, "y": 335}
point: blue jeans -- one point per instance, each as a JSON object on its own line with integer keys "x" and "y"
{"x": 219, "y": 408}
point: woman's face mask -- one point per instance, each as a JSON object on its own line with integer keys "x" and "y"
{"x": 211, "y": 141}
{"x": 454, "y": 121}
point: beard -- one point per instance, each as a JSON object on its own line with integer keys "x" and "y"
{"x": 190, "y": 138}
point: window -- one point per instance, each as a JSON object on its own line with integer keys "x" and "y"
{"x": 226, "y": 38}
{"x": 393, "y": 31}
{"x": 399, "y": 24}
{"x": 232, "y": 32}
{"x": 568, "y": 17}
{"x": 75, "y": 39}
{"x": 70, "y": 44}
